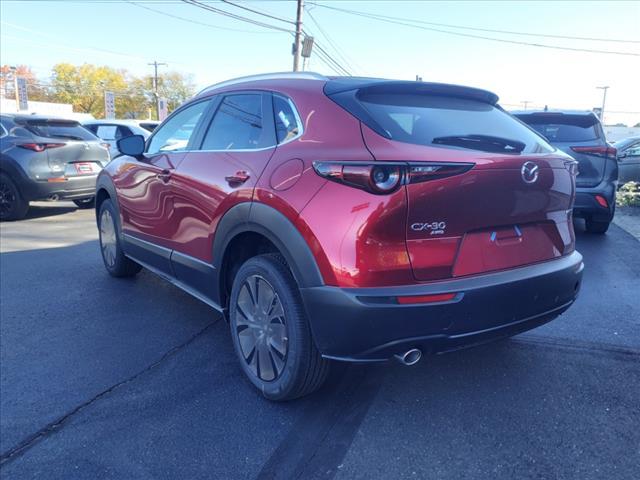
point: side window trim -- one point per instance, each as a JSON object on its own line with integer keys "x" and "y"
{"x": 268, "y": 123}
{"x": 176, "y": 112}
{"x": 296, "y": 114}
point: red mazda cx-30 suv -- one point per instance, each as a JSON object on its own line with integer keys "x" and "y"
{"x": 351, "y": 219}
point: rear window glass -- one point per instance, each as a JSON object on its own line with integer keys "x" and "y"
{"x": 67, "y": 130}
{"x": 564, "y": 128}
{"x": 452, "y": 122}
{"x": 566, "y": 133}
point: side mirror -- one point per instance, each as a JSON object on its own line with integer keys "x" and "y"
{"x": 132, "y": 146}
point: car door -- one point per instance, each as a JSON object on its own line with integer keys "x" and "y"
{"x": 235, "y": 149}
{"x": 144, "y": 188}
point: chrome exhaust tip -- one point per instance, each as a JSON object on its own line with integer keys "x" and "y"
{"x": 410, "y": 357}
{"x": 54, "y": 198}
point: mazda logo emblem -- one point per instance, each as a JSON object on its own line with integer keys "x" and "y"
{"x": 529, "y": 172}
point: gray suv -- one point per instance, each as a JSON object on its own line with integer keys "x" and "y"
{"x": 44, "y": 158}
{"x": 580, "y": 134}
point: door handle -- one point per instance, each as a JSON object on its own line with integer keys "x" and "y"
{"x": 237, "y": 178}
{"x": 164, "y": 175}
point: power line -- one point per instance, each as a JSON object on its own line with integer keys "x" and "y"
{"x": 340, "y": 69}
{"x": 338, "y": 51}
{"x": 464, "y": 27}
{"x": 258, "y": 12}
{"x": 195, "y": 22}
{"x": 219, "y": 11}
{"x": 403, "y": 22}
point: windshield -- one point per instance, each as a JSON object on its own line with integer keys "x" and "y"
{"x": 464, "y": 123}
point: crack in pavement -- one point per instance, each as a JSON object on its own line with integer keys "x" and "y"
{"x": 55, "y": 425}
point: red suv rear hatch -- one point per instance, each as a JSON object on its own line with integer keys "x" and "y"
{"x": 512, "y": 208}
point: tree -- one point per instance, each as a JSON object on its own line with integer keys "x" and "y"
{"x": 176, "y": 88}
{"x": 84, "y": 86}
{"x": 36, "y": 91}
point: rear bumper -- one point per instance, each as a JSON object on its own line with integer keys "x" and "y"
{"x": 586, "y": 205}
{"x": 366, "y": 324}
{"x": 72, "y": 188}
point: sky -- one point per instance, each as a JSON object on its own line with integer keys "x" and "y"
{"x": 212, "y": 47}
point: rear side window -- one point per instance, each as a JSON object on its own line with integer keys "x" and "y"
{"x": 286, "y": 120}
{"x": 55, "y": 129}
{"x": 450, "y": 121}
{"x": 237, "y": 124}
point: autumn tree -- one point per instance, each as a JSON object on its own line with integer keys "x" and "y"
{"x": 36, "y": 90}
{"x": 176, "y": 87}
{"x": 84, "y": 86}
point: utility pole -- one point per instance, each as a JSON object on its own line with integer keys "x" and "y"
{"x": 604, "y": 99}
{"x": 297, "y": 46}
{"x": 525, "y": 103}
{"x": 155, "y": 66}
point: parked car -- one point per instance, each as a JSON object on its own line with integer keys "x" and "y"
{"x": 346, "y": 219}
{"x": 113, "y": 130}
{"x": 628, "y": 159}
{"x": 44, "y": 158}
{"x": 580, "y": 134}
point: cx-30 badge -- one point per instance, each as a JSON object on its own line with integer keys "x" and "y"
{"x": 529, "y": 172}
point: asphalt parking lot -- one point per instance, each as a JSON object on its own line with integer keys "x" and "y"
{"x": 106, "y": 378}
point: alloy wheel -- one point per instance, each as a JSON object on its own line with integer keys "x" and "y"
{"x": 261, "y": 328}
{"x": 108, "y": 238}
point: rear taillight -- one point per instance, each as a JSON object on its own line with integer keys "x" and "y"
{"x": 40, "y": 147}
{"x": 383, "y": 178}
{"x": 607, "y": 152}
{"x": 602, "y": 201}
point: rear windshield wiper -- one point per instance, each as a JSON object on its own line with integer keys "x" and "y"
{"x": 487, "y": 143}
{"x": 70, "y": 137}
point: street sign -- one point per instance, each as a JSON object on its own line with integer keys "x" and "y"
{"x": 163, "y": 108}
{"x": 109, "y": 105}
{"x": 23, "y": 101}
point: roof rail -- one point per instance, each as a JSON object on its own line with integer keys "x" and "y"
{"x": 266, "y": 76}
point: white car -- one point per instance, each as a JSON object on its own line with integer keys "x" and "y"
{"x": 113, "y": 130}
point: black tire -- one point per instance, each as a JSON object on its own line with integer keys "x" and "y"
{"x": 301, "y": 369}
{"x": 596, "y": 227}
{"x": 116, "y": 263}
{"x": 12, "y": 205}
{"x": 85, "y": 203}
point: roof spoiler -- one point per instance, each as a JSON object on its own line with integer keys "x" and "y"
{"x": 341, "y": 85}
